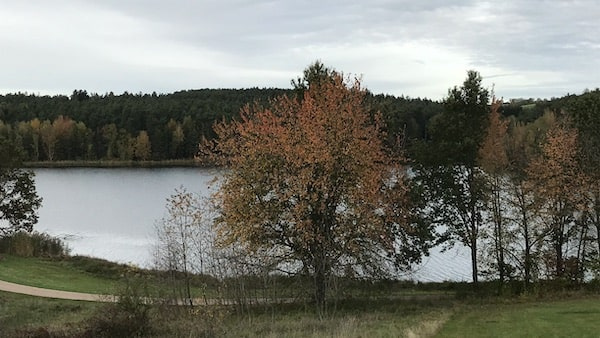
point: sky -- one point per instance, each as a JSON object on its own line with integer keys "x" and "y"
{"x": 522, "y": 48}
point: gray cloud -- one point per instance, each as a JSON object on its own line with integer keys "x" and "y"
{"x": 415, "y": 48}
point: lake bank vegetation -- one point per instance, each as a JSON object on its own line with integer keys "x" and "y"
{"x": 327, "y": 197}
{"x": 369, "y": 308}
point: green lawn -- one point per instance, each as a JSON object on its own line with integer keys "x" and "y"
{"x": 81, "y": 274}
{"x": 53, "y": 274}
{"x": 566, "y": 318}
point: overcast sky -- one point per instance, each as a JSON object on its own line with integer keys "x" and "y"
{"x": 413, "y": 48}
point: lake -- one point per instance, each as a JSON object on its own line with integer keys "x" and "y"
{"x": 111, "y": 214}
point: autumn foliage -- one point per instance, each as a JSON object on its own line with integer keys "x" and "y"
{"x": 310, "y": 182}
{"x": 557, "y": 179}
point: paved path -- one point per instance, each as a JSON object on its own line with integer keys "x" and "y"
{"x": 90, "y": 297}
{"x": 48, "y": 293}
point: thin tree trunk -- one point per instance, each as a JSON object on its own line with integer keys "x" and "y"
{"x": 320, "y": 287}
{"x": 558, "y": 246}
{"x": 474, "y": 262}
{"x": 526, "y": 234}
{"x": 474, "y": 225}
{"x": 597, "y": 219}
{"x": 497, "y": 217}
{"x": 581, "y": 251}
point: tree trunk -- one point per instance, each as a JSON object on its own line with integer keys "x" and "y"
{"x": 596, "y": 218}
{"x": 527, "y": 261}
{"x": 499, "y": 244}
{"x": 474, "y": 261}
{"x": 558, "y": 244}
{"x": 500, "y": 249}
{"x": 320, "y": 288}
{"x": 474, "y": 221}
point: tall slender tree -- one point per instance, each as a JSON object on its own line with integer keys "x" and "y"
{"x": 494, "y": 162}
{"x": 447, "y": 165}
{"x": 585, "y": 113}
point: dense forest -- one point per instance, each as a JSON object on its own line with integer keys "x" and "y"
{"x": 155, "y": 126}
{"x": 158, "y": 127}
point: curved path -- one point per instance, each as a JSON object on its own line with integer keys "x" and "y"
{"x": 91, "y": 297}
{"x": 48, "y": 293}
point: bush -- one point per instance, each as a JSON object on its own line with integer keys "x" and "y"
{"x": 128, "y": 317}
{"x": 185, "y": 321}
{"x": 99, "y": 266}
{"x": 35, "y": 244}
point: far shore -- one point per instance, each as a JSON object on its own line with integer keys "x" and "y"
{"x": 116, "y": 164}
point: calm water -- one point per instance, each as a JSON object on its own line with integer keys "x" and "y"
{"x": 111, "y": 213}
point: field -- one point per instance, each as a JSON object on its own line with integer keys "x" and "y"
{"x": 561, "y": 318}
{"x": 54, "y": 274}
{"x": 19, "y": 313}
{"x": 403, "y": 313}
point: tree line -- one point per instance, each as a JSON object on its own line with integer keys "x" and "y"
{"x": 314, "y": 186}
{"x": 153, "y": 126}
{"x": 322, "y": 182}
{"x": 521, "y": 194}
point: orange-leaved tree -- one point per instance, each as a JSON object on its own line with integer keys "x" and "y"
{"x": 310, "y": 183}
{"x": 558, "y": 180}
{"x": 494, "y": 162}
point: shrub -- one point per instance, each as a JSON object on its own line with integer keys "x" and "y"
{"x": 35, "y": 244}
{"x": 128, "y": 317}
{"x": 99, "y": 266}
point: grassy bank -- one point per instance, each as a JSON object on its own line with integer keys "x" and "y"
{"x": 385, "y": 309}
{"x": 557, "y": 318}
{"x": 113, "y": 164}
{"x": 22, "y": 316}
{"x": 58, "y": 274}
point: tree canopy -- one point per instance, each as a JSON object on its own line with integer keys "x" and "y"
{"x": 311, "y": 182}
{"x": 18, "y": 198}
{"x": 447, "y": 164}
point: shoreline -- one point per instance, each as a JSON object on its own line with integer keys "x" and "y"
{"x": 188, "y": 163}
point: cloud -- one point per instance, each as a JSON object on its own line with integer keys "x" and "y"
{"x": 415, "y": 48}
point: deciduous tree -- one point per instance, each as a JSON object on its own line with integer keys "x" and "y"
{"x": 557, "y": 180}
{"x": 184, "y": 236}
{"x": 309, "y": 181}
{"x": 142, "y": 147}
{"x": 447, "y": 168}
{"x": 18, "y": 198}
{"x": 494, "y": 162}
{"x": 585, "y": 113}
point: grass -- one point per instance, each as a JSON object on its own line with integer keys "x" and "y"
{"x": 411, "y": 318}
{"x": 23, "y": 314}
{"x": 84, "y": 274}
{"x": 559, "y": 318}
{"x": 53, "y": 274}
{"x": 357, "y": 318}
{"x": 19, "y": 313}
{"x": 388, "y": 310}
